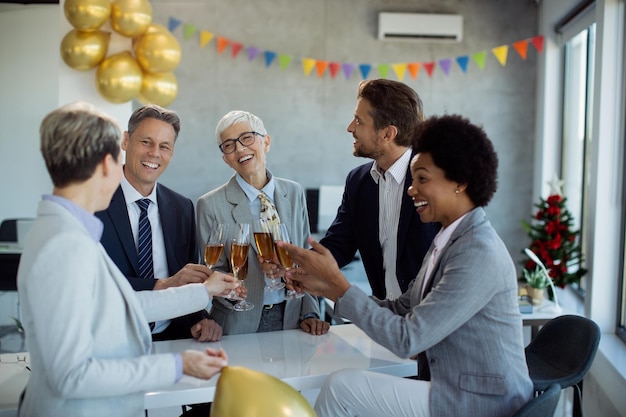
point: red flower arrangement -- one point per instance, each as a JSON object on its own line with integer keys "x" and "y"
{"x": 554, "y": 241}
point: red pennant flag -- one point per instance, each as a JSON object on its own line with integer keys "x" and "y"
{"x": 222, "y": 43}
{"x": 537, "y": 42}
{"x": 235, "y": 47}
{"x": 413, "y": 68}
{"x": 320, "y": 67}
{"x": 334, "y": 68}
{"x": 521, "y": 47}
{"x": 429, "y": 67}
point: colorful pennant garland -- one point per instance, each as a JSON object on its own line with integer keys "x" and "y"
{"x": 333, "y": 68}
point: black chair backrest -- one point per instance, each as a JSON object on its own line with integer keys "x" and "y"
{"x": 543, "y": 405}
{"x": 8, "y": 230}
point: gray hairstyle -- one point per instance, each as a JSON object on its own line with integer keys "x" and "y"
{"x": 235, "y": 117}
{"x": 75, "y": 138}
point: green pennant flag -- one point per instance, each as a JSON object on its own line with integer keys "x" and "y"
{"x": 383, "y": 69}
{"x": 284, "y": 60}
{"x": 188, "y": 30}
{"x": 479, "y": 59}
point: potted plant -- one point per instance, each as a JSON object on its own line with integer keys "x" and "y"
{"x": 536, "y": 283}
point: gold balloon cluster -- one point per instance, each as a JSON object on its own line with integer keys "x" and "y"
{"x": 244, "y": 392}
{"x": 147, "y": 75}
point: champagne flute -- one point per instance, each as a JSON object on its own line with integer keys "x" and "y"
{"x": 265, "y": 245}
{"x": 215, "y": 245}
{"x": 282, "y": 235}
{"x": 239, "y": 248}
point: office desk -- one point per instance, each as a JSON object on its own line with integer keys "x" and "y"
{"x": 299, "y": 359}
{"x": 541, "y": 315}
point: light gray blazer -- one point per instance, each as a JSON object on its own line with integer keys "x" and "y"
{"x": 86, "y": 328}
{"x": 229, "y": 204}
{"x": 469, "y": 324}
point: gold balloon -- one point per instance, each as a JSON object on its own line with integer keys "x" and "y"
{"x": 87, "y": 15}
{"x": 84, "y": 50}
{"x": 153, "y": 28}
{"x": 131, "y": 17}
{"x": 243, "y": 392}
{"x": 158, "y": 88}
{"x": 157, "y": 51}
{"x": 118, "y": 78}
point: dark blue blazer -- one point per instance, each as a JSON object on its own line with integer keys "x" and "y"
{"x": 356, "y": 228}
{"x": 179, "y": 233}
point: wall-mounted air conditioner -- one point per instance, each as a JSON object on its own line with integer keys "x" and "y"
{"x": 420, "y": 27}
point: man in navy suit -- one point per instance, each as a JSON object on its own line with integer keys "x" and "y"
{"x": 149, "y": 145}
{"x": 376, "y": 215}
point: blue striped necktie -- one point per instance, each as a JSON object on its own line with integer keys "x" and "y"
{"x": 144, "y": 245}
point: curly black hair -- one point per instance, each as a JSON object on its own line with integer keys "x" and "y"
{"x": 463, "y": 151}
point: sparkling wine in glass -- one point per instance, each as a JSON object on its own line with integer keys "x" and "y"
{"x": 239, "y": 248}
{"x": 281, "y": 234}
{"x": 265, "y": 245}
{"x": 215, "y": 244}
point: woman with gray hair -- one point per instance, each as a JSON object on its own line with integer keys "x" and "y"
{"x": 86, "y": 329}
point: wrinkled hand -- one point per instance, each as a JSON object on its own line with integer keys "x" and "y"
{"x": 315, "y": 326}
{"x": 319, "y": 273}
{"x": 271, "y": 268}
{"x": 203, "y": 364}
{"x": 189, "y": 274}
{"x": 206, "y": 330}
{"x": 219, "y": 284}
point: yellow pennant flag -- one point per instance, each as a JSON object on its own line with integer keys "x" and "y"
{"x": 307, "y": 65}
{"x": 500, "y": 53}
{"x": 399, "y": 69}
{"x": 205, "y": 37}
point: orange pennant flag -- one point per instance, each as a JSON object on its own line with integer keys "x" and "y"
{"x": 236, "y": 47}
{"x": 307, "y": 65}
{"x": 320, "y": 67}
{"x": 501, "y": 53}
{"x": 205, "y": 37}
{"x": 414, "y": 68}
{"x": 521, "y": 47}
{"x": 334, "y": 68}
{"x": 399, "y": 69}
{"x": 222, "y": 43}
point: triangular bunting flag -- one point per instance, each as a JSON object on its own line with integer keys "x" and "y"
{"x": 500, "y": 52}
{"x": 479, "y": 58}
{"x": 462, "y": 61}
{"x": 365, "y": 70}
{"x": 399, "y": 69}
{"x": 222, "y": 43}
{"x": 188, "y": 31}
{"x": 334, "y": 67}
{"x": 429, "y": 67}
{"x": 269, "y": 57}
{"x": 320, "y": 67}
{"x": 307, "y": 65}
{"x": 414, "y": 68}
{"x": 445, "y": 65}
{"x": 235, "y": 47}
{"x": 537, "y": 42}
{"x": 205, "y": 37}
{"x": 521, "y": 47}
{"x": 284, "y": 60}
{"x": 172, "y": 24}
{"x": 253, "y": 51}
{"x": 383, "y": 70}
{"x": 347, "y": 69}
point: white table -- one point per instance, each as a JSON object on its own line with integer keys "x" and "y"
{"x": 299, "y": 359}
{"x": 542, "y": 314}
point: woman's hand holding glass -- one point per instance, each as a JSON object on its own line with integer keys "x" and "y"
{"x": 239, "y": 249}
{"x": 220, "y": 284}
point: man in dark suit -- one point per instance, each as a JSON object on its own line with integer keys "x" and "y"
{"x": 376, "y": 215}
{"x": 149, "y": 145}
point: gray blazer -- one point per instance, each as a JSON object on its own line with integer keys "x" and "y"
{"x": 229, "y": 204}
{"x": 86, "y": 328}
{"x": 468, "y": 324}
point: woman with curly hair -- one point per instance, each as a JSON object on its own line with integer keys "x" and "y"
{"x": 459, "y": 316}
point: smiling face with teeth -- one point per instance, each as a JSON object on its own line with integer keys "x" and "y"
{"x": 248, "y": 161}
{"x": 148, "y": 152}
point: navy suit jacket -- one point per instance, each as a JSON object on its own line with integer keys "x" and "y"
{"x": 179, "y": 233}
{"x": 356, "y": 228}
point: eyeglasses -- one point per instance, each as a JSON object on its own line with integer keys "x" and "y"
{"x": 246, "y": 139}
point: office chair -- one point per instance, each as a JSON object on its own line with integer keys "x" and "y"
{"x": 562, "y": 353}
{"x": 543, "y": 405}
{"x": 8, "y": 230}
